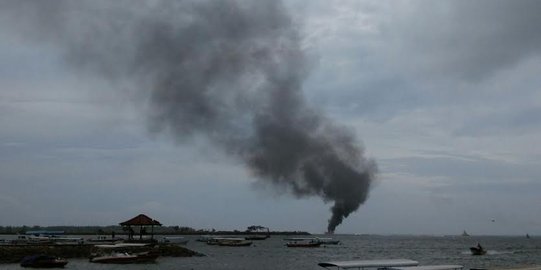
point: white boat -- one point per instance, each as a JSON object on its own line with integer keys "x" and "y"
{"x": 116, "y": 254}
{"x": 369, "y": 264}
{"x": 299, "y": 238}
{"x": 302, "y": 242}
{"x": 125, "y": 258}
{"x": 103, "y": 240}
{"x": 229, "y": 241}
{"x": 61, "y": 240}
{"x": 31, "y": 240}
{"x": 328, "y": 241}
{"x": 321, "y": 240}
{"x": 175, "y": 240}
{"x": 235, "y": 242}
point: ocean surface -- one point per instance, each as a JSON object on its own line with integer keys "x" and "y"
{"x": 503, "y": 252}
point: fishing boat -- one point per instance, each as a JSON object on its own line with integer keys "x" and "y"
{"x": 303, "y": 242}
{"x": 43, "y": 261}
{"x": 229, "y": 241}
{"x": 328, "y": 241}
{"x": 370, "y": 264}
{"x": 235, "y": 242}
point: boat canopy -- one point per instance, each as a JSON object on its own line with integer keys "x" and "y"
{"x": 370, "y": 263}
{"x": 429, "y": 267}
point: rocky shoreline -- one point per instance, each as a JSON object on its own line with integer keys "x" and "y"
{"x": 15, "y": 253}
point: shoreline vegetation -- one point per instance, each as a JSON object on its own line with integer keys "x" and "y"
{"x": 163, "y": 230}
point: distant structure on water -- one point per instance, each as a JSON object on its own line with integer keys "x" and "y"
{"x": 465, "y": 233}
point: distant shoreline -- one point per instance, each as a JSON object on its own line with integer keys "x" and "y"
{"x": 118, "y": 230}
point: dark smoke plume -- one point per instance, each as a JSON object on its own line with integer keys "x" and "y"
{"x": 230, "y": 70}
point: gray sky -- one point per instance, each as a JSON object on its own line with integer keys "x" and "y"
{"x": 442, "y": 94}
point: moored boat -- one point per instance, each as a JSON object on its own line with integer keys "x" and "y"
{"x": 43, "y": 261}
{"x": 31, "y": 240}
{"x": 328, "y": 241}
{"x": 118, "y": 254}
{"x": 235, "y": 243}
{"x": 306, "y": 243}
{"x": 229, "y": 242}
{"x": 125, "y": 258}
{"x": 103, "y": 240}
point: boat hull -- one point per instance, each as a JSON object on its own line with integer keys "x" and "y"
{"x": 477, "y": 251}
{"x": 126, "y": 259}
{"x": 235, "y": 244}
{"x": 256, "y": 237}
{"x": 303, "y": 245}
{"x": 43, "y": 262}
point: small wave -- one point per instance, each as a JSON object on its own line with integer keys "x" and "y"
{"x": 496, "y": 252}
{"x": 489, "y": 252}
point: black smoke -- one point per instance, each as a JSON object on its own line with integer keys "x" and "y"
{"x": 229, "y": 70}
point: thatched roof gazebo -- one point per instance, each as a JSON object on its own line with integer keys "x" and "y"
{"x": 142, "y": 221}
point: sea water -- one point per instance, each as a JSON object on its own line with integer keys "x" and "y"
{"x": 503, "y": 252}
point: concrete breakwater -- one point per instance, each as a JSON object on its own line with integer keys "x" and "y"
{"x": 15, "y": 253}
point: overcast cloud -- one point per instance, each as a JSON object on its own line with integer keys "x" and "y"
{"x": 444, "y": 95}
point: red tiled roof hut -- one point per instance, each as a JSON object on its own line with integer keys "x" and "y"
{"x": 141, "y": 220}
